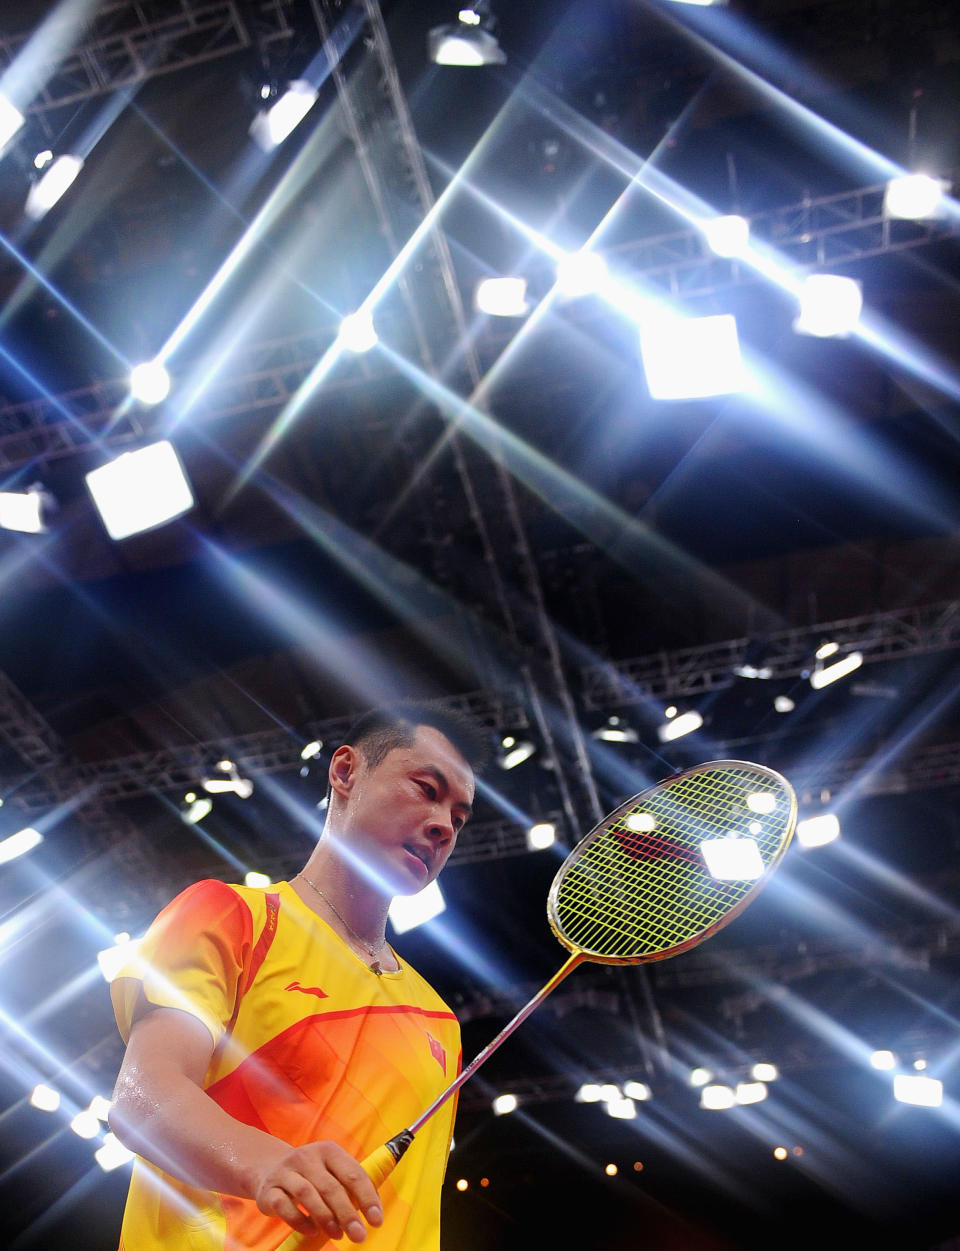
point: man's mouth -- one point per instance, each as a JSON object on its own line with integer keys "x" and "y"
{"x": 423, "y": 854}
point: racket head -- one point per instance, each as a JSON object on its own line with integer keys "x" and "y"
{"x": 637, "y": 887}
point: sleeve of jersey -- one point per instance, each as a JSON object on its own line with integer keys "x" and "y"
{"x": 191, "y": 958}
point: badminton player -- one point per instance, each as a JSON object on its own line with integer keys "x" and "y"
{"x": 274, "y": 1037}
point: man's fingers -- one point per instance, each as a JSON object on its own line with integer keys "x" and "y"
{"x": 279, "y": 1203}
{"x": 359, "y": 1186}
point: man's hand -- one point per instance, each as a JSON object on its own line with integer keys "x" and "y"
{"x": 325, "y": 1182}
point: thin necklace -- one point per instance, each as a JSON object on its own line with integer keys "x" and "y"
{"x": 372, "y": 952}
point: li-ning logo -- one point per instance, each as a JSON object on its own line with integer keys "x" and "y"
{"x": 437, "y": 1052}
{"x": 308, "y": 990}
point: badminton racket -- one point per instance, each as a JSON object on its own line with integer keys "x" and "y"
{"x": 661, "y": 874}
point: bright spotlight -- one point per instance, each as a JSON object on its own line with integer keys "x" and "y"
{"x": 408, "y": 911}
{"x": 727, "y": 236}
{"x": 23, "y": 510}
{"x": 140, "y": 490}
{"x": 112, "y": 1153}
{"x": 717, "y": 1097}
{"x": 311, "y": 749}
{"x": 45, "y": 1098}
{"x": 783, "y": 703}
{"x": 638, "y": 1091}
{"x": 149, "y": 382}
{"x": 615, "y": 730}
{"x": 589, "y": 1092}
{"x": 85, "y": 1124}
{"x": 818, "y": 831}
{"x": 19, "y": 844}
{"x": 580, "y": 274}
{"x": 196, "y": 810}
{"x": 678, "y": 726}
{"x": 502, "y": 297}
{"x": 924, "y": 1092}
{"x": 468, "y": 41}
{"x": 112, "y": 959}
{"x": 100, "y": 1107}
{"x": 821, "y": 677}
{"x": 763, "y": 1072}
{"x": 514, "y": 752}
{"x": 257, "y": 879}
{"x": 622, "y": 1109}
{"x": 541, "y": 836}
{"x": 830, "y": 306}
{"x": 56, "y": 180}
{"x": 686, "y": 358}
{"x": 357, "y": 332}
{"x": 762, "y": 802}
{"x": 503, "y": 1105}
{"x": 750, "y": 1092}
{"x": 914, "y": 196}
{"x": 732, "y": 859}
{"x": 780, "y": 1153}
{"x": 270, "y": 127}
{"x": 640, "y": 822}
{"x": 883, "y": 1060}
{"x": 11, "y": 119}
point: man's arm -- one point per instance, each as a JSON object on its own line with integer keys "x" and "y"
{"x": 161, "y": 1112}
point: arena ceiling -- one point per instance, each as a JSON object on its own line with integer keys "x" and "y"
{"x": 496, "y": 511}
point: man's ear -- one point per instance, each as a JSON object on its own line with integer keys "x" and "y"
{"x": 344, "y": 766}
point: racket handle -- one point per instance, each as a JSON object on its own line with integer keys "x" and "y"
{"x": 378, "y": 1166}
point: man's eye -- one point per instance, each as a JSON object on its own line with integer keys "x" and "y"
{"x": 428, "y": 790}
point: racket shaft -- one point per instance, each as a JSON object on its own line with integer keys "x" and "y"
{"x": 381, "y": 1163}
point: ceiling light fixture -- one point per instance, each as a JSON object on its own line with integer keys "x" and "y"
{"x": 915, "y": 197}
{"x": 150, "y": 382}
{"x": 678, "y": 726}
{"x": 25, "y": 511}
{"x": 408, "y": 911}
{"x": 271, "y": 126}
{"x": 19, "y": 844}
{"x": 830, "y": 306}
{"x": 823, "y": 675}
{"x": 502, "y": 297}
{"x": 57, "y": 178}
{"x": 140, "y": 490}
{"x": 687, "y": 358}
{"x": 469, "y": 41}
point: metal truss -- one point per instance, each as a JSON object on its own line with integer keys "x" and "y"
{"x": 172, "y": 769}
{"x": 830, "y": 230}
{"x": 690, "y": 671}
{"x": 129, "y": 41}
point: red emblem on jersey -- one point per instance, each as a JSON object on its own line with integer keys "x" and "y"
{"x": 308, "y": 990}
{"x": 437, "y": 1052}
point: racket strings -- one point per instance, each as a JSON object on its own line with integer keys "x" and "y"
{"x": 641, "y": 885}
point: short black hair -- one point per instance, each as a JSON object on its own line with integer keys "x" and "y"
{"x": 380, "y": 730}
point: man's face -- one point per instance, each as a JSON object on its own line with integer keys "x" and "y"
{"x": 403, "y": 815}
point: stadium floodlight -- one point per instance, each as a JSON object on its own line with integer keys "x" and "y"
{"x": 19, "y": 844}
{"x": 830, "y": 306}
{"x": 408, "y": 911}
{"x": 112, "y": 1153}
{"x": 45, "y": 1098}
{"x": 823, "y": 676}
{"x": 589, "y": 1092}
{"x": 11, "y": 119}
{"x": 357, "y": 332}
{"x": 622, "y": 1109}
{"x": 580, "y": 274}
{"x": 57, "y": 178}
{"x": 253, "y": 878}
{"x": 915, "y": 197}
{"x": 727, "y": 236}
{"x": 503, "y": 1105}
{"x": 541, "y": 836}
{"x": 717, "y": 1097}
{"x": 149, "y": 382}
{"x": 23, "y": 510}
{"x": 678, "y": 726}
{"x": 638, "y": 1091}
{"x": 924, "y": 1092}
{"x": 514, "y": 751}
{"x": 85, "y": 1124}
{"x": 502, "y": 297}
{"x": 271, "y": 126}
{"x": 750, "y": 1092}
{"x": 688, "y": 358}
{"x": 762, "y": 1071}
{"x": 700, "y": 1076}
{"x": 469, "y": 41}
{"x": 818, "y": 831}
{"x": 883, "y": 1060}
{"x": 732, "y": 859}
{"x": 140, "y": 490}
